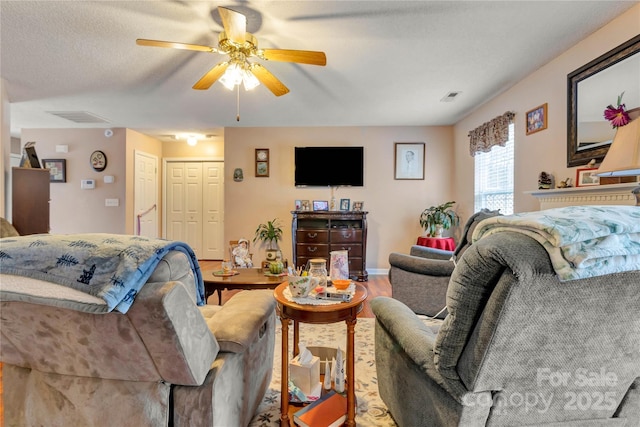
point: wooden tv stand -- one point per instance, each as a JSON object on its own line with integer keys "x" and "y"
{"x": 316, "y": 233}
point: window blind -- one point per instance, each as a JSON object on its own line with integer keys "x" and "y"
{"x": 494, "y": 177}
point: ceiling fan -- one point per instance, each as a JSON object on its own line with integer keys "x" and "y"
{"x": 240, "y": 46}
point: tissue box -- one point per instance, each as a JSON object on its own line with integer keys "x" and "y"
{"x": 306, "y": 377}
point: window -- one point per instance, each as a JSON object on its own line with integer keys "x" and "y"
{"x": 494, "y": 178}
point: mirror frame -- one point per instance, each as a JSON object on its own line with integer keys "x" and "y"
{"x": 615, "y": 55}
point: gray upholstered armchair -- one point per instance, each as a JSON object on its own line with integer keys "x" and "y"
{"x": 420, "y": 279}
{"x": 518, "y": 347}
{"x": 165, "y": 362}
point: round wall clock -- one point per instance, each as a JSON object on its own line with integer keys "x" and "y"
{"x": 98, "y": 161}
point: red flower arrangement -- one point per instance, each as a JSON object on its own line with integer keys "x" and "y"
{"x": 617, "y": 116}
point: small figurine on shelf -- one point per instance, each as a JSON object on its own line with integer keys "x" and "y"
{"x": 241, "y": 255}
{"x": 565, "y": 184}
{"x": 545, "y": 181}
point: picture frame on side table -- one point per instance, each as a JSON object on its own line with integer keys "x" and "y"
{"x": 57, "y": 169}
{"x": 408, "y": 160}
{"x": 536, "y": 119}
{"x": 344, "y": 204}
{"x": 262, "y": 162}
{"x": 586, "y": 177}
{"x": 320, "y": 205}
{"x": 358, "y": 206}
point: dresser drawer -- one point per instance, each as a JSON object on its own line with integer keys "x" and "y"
{"x": 312, "y": 250}
{"x": 353, "y": 249}
{"x": 346, "y": 235}
{"x": 312, "y": 236}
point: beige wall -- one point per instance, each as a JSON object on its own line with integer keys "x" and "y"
{"x": 544, "y": 150}
{"x": 394, "y": 206}
{"x": 74, "y": 210}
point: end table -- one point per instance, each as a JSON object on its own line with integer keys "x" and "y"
{"x": 321, "y": 314}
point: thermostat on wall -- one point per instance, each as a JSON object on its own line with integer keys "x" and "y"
{"x": 88, "y": 184}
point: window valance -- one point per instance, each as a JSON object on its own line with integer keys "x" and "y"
{"x": 493, "y": 132}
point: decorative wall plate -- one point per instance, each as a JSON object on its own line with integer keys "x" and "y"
{"x": 98, "y": 161}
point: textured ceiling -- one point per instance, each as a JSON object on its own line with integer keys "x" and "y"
{"x": 388, "y": 62}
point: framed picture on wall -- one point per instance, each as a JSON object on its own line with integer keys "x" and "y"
{"x": 57, "y": 169}
{"x": 262, "y": 162}
{"x": 409, "y": 160}
{"x": 537, "y": 119}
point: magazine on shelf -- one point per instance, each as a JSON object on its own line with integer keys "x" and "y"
{"x": 328, "y": 411}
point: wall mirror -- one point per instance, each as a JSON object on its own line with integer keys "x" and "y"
{"x": 590, "y": 89}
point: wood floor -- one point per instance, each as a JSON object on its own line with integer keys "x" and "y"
{"x": 378, "y": 285}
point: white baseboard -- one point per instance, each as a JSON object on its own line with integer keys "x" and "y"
{"x": 378, "y": 271}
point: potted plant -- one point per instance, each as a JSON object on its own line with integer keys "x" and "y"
{"x": 437, "y": 218}
{"x": 269, "y": 233}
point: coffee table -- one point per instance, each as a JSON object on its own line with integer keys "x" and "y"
{"x": 247, "y": 278}
{"x": 322, "y": 314}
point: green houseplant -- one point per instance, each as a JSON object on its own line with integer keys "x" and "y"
{"x": 437, "y": 218}
{"x": 269, "y": 233}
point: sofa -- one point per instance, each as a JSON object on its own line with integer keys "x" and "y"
{"x": 419, "y": 279}
{"x": 519, "y": 345}
{"x": 166, "y": 361}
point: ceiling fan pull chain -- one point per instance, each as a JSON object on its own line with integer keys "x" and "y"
{"x": 237, "y": 103}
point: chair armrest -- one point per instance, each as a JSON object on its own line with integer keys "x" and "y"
{"x": 432, "y": 253}
{"x": 416, "y": 340}
{"x": 413, "y": 336}
{"x": 419, "y": 265}
{"x": 242, "y": 320}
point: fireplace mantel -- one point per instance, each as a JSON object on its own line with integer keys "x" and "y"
{"x": 612, "y": 194}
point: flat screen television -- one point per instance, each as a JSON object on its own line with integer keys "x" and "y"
{"x": 329, "y": 166}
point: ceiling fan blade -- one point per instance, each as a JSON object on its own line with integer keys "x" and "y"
{"x": 211, "y": 77}
{"x": 234, "y": 23}
{"x": 269, "y": 80}
{"x": 174, "y": 45}
{"x": 299, "y": 56}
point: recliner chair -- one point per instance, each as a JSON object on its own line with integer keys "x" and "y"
{"x": 518, "y": 347}
{"x": 420, "y": 279}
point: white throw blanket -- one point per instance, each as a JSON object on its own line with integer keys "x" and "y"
{"x": 582, "y": 241}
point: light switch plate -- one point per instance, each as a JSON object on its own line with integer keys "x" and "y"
{"x": 112, "y": 202}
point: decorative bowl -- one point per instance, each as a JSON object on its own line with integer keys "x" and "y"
{"x": 341, "y": 284}
{"x": 300, "y": 286}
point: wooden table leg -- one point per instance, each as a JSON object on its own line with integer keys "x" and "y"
{"x": 351, "y": 383}
{"x": 284, "y": 374}
{"x": 219, "y": 296}
{"x": 296, "y": 338}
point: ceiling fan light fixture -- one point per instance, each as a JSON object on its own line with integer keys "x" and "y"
{"x": 239, "y": 73}
{"x": 250, "y": 81}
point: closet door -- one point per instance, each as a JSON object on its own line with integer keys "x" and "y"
{"x": 213, "y": 246}
{"x": 194, "y": 211}
{"x": 184, "y": 204}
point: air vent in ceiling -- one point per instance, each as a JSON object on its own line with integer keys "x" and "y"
{"x": 450, "y": 96}
{"x": 79, "y": 116}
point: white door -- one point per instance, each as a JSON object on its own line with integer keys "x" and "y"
{"x": 145, "y": 195}
{"x": 194, "y": 206}
{"x": 213, "y": 246}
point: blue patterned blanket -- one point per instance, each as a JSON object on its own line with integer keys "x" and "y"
{"x": 582, "y": 241}
{"x": 113, "y": 267}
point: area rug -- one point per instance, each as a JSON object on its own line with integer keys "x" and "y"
{"x": 370, "y": 411}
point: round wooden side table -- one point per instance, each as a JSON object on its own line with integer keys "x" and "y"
{"x": 319, "y": 314}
